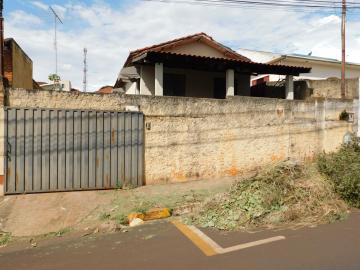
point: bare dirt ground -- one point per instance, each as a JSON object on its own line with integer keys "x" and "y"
{"x": 59, "y": 213}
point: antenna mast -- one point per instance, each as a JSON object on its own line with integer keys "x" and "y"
{"x": 85, "y": 70}
{"x": 56, "y": 19}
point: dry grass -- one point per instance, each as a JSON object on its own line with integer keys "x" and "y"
{"x": 286, "y": 195}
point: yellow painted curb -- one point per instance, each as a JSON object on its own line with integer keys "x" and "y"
{"x": 157, "y": 213}
{"x": 197, "y": 240}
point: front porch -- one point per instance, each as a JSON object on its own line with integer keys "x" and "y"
{"x": 171, "y": 74}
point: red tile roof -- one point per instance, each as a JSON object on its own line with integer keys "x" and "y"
{"x": 179, "y": 41}
{"x": 105, "y": 90}
{"x": 188, "y": 59}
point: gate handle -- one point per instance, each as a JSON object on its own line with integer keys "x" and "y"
{"x": 8, "y": 154}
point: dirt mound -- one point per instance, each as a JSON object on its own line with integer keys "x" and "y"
{"x": 288, "y": 194}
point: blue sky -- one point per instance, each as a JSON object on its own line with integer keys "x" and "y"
{"x": 110, "y": 29}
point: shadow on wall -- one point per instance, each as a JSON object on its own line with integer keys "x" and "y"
{"x": 277, "y": 90}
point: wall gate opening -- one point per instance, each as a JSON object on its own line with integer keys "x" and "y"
{"x": 63, "y": 150}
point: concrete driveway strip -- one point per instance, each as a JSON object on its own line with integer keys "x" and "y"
{"x": 163, "y": 246}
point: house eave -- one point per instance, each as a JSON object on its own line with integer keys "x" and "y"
{"x": 216, "y": 64}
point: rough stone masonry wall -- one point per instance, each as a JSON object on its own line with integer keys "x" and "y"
{"x": 191, "y": 138}
{"x": 330, "y": 88}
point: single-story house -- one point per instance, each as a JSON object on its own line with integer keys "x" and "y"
{"x": 196, "y": 66}
{"x": 321, "y": 68}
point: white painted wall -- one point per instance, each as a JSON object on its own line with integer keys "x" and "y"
{"x": 258, "y": 56}
{"x": 197, "y": 48}
{"x": 320, "y": 69}
{"x": 198, "y": 83}
{"x": 131, "y": 88}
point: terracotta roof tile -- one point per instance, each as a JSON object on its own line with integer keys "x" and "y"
{"x": 158, "y": 47}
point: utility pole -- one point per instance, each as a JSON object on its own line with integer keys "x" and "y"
{"x": 1, "y": 39}
{"x": 343, "y": 50}
{"x": 85, "y": 70}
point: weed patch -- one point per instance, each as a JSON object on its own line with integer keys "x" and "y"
{"x": 4, "y": 238}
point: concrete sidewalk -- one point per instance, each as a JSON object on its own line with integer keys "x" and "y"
{"x": 162, "y": 246}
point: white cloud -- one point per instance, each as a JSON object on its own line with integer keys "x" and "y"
{"x": 110, "y": 34}
{"x": 40, "y": 5}
{"x": 22, "y": 19}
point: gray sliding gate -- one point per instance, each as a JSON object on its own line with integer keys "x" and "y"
{"x": 60, "y": 150}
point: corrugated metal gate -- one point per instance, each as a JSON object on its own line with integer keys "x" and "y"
{"x": 62, "y": 150}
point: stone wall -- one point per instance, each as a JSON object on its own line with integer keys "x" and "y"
{"x": 331, "y": 88}
{"x": 191, "y": 138}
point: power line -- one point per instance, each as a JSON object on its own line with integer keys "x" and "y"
{"x": 295, "y": 5}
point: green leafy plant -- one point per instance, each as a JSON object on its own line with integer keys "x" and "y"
{"x": 54, "y": 78}
{"x": 4, "y": 238}
{"x": 344, "y": 116}
{"x": 343, "y": 169}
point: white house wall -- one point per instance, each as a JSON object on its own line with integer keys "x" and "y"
{"x": 198, "y": 83}
{"x": 147, "y": 80}
{"x": 197, "y": 48}
{"x": 131, "y": 88}
{"x": 321, "y": 70}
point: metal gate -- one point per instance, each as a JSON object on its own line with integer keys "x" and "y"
{"x": 62, "y": 150}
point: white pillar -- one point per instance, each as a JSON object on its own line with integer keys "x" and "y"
{"x": 230, "y": 82}
{"x": 159, "y": 79}
{"x": 289, "y": 87}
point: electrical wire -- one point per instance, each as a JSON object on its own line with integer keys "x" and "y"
{"x": 295, "y": 5}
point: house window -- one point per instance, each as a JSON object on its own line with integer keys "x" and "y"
{"x": 174, "y": 85}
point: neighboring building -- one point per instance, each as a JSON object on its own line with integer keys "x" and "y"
{"x": 321, "y": 68}
{"x": 106, "y": 90}
{"x": 18, "y": 67}
{"x": 61, "y": 86}
{"x": 195, "y": 66}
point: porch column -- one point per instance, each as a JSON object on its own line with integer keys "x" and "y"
{"x": 289, "y": 87}
{"x": 230, "y": 82}
{"x": 159, "y": 79}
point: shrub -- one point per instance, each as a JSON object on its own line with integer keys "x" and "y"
{"x": 344, "y": 116}
{"x": 343, "y": 169}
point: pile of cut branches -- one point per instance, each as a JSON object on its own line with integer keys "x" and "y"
{"x": 288, "y": 194}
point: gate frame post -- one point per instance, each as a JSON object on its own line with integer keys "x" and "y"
{"x": 2, "y": 151}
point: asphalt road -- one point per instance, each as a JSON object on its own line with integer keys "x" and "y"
{"x": 162, "y": 246}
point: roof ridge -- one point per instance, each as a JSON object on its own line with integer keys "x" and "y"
{"x": 172, "y": 41}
